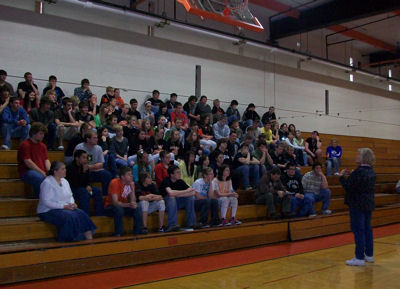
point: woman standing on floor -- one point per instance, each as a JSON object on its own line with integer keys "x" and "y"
{"x": 57, "y": 206}
{"x": 360, "y": 190}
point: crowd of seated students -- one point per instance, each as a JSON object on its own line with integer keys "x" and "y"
{"x": 197, "y": 156}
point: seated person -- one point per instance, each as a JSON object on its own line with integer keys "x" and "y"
{"x": 105, "y": 142}
{"x": 75, "y": 140}
{"x": 190, "y": 108}
{"x": 78, "y": 178}
{"x": 44, "y": 115}
{"x": 235, "y": 127}
{"x": 178, "y": 113}
{"x": 105, "y": 98}
{"x": 227, "y": 197}
{"x": 112, "y": 122}
{"x": 30, "y": 101}
{"x": 142, "y": 166}
{"x": 220, "y": 129}
{"x": 148, "y": 113}
{"x": 27, "y": 85}
{"x": 269, "y": 116}
{"x": 298, "y": 143}
{"x": 174, "y": 145}
{"x": 315, "y": 186}
{"x": 121, "y": 201}
{"x": 293, "y": 184}
{"x": 249, "y": 115}
{"x": 5, "y": 98}
{"x": 217, "y": 163}
{"x": 192, "y": 142}
{"x": 15, "y": 123}
{"x": 118, "y": 98}
{"x": 57, "y": 207}
{"x": 123, "y": 114}
{"x": 333, "y": 158}
{"x": 247, "y": 166}
{"x": 150, "y": 200}
{"x": 163, "y": 112}
{"x": 4, "y": 84}
{"x": 147, "y": 128}
{"x": 232, "y": 145}
{"x": 187, "y": 167}
{"x": 203, "y": 163}
{"x": 155, "y": 101}
{"x": 232, "y": 112}
{"x": 283, "y": 132}
{"x": 202, "y": 108}
{"x": 262, "y": 155}
{"x": 313, "y": 148}
{"x": 136, "y": 144}
{"x": 178, "y": 195}
{"x": 270, "y": 191}
{"x": 133, "y": 110}
{"x": 104, "y": 114}
{"x": 278, "y": 156}
{"x": 64, "y": 119}
{"x": 33, "y": 161}
{"x": 97, "y": 173}
{"x": 206, "y": 200}
{"x": 120, "y": 147}
{"x": 171, "y": 102}
{"x": 83, "y": 114}
{"x": 94, "y": 108}
{"x": 131, "y": 128}
{"x": 160, "y": 170}
{"x": 83, "y": 92}
{"x": 266, "y": 129}
{"x": 217, "y": 111}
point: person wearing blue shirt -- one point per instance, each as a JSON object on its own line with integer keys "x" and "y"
{"x": 15, "y": 123}
{"x": 333, "y": 155}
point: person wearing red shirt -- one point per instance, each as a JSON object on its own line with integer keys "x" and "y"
{"x": 178, "y": 113}
{"x": 121, "y": 201}
{"x": 33, "y": 162}
{"x": 160, "y": 169}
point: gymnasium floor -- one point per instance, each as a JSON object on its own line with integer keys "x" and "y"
{"x": 315, "y": 263}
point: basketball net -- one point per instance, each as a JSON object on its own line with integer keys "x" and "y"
{"x": 235, "y": 8}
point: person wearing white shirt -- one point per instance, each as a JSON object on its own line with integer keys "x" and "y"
{"x": 57, "y": 206}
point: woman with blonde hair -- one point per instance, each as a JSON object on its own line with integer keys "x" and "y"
{"x": 360, "y": 190}
{"x": 104, "y": 113}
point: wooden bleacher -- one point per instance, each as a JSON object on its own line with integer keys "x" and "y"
{"x": 28, "y": 249}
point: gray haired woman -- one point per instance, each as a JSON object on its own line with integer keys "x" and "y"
{"x": 360, "y": 190}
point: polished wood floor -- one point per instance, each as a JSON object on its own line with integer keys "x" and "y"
{"x": 319, "y": 269}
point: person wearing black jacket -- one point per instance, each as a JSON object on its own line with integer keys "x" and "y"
{"x": 360, "y": 197}
{"x": 292, "y": 182}
{"x": 78, "y": 178}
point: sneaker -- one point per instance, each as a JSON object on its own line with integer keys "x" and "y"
{"x": 144, "y": 231}
{"x": 5, "y": 147}
{"x": 205, "y": 226}
{"x": 161, "y": 229}
{"x": 312, "y": 215}
{"x": 327, "y": 212}
{"x": 234, "y": 221}
{"x": 174, "y": 228}
{"x": 275, "y": 216}
{"x": 248, "y": 188}
{"x": 224, "y": 222}
{"x": 355, "y": 262}
{"x": 197, "y": 226}
{"x": 336, "y": 174}
{"x": 369, "y": 259}
{"x": 60, "y": 148}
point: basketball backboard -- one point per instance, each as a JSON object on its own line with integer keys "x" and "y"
{"x": 233, "y": 12}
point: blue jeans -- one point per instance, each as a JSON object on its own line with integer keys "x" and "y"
{"x": 82, "y": 196}
{"x": 121, "y": 163}
{"x": 14, "y": 131}
{"x": 304, "y": 205}
{"x": 118, "y": 212}
{"x": 104, "y": 177}
{"x": 249, "y": 170}
{"x": 110, "y": 164}
{"x": 332, "y": 162}
{"x": 232, "y": 118}
{"x": 361, "y": 227}
{"x": 33, "y": 178}
{"x": 51, "y": 135}
{"x": 176, "y": 203}
{"x": 324, "y": 196}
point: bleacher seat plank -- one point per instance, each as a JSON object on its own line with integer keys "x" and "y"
{"x": 137, "y": 250}
{"x": 338, "y": 223}
{"x": 10, "y": 157}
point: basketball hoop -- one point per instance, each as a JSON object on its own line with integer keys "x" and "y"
{"x": 237, "y": 9}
